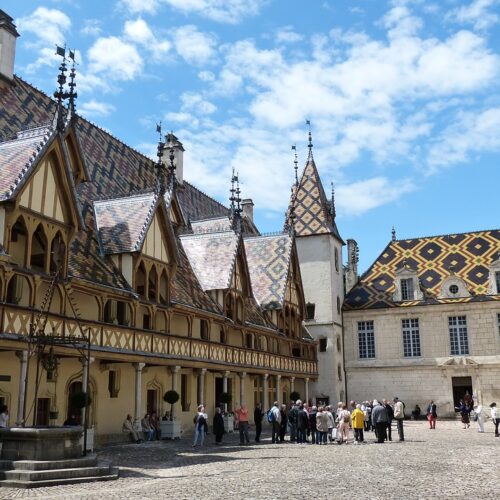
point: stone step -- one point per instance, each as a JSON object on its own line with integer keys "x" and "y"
{"x": 16, "y": 483}
{"x": 88, "y": 461}
{"x": 42, "y": 475}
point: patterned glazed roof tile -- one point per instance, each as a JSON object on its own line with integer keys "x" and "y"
{"x": 215, "y": 225}
{"x": 311, "y": 207}
{"x": 121, "y": 223}
{"x": 196, "y": 205}
{"x": 268, "y": 260}
{"x": 212, "y": 257}
{"x": 434, "y": 259}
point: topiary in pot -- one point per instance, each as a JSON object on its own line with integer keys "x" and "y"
{"x": 80, "y": 400}
{"x": 171, "y": 397}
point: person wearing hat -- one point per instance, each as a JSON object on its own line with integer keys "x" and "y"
{"x": 399, "y": 415}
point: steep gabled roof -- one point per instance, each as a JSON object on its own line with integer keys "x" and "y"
{"x": 310, "y": 205}
{"x": 467, "y": 256}
{"x": 268, "y": 260}
{"x": 218, "y": 224}
{"x": 212, "y": 257}
{"x": 196, "y": 205}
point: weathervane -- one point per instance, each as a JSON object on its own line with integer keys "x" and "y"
{"x": 296, "y": 165}
{"x": 72, "y": 84}
{"x": 393, "y": 232}
{"x": 310, "y": 145}
{"x": 60, "y": 94}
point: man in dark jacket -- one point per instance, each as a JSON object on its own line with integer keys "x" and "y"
{"x": 257, "y": 418}
{"x": 292, "y": 421}
{"x": 302, "y": 420}
{"x": 379, "y": 421}
{"x": 390, "y": 418}
{"x": 312, "y": 423}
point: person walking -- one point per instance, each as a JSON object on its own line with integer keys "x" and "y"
{"x": 358, "y": 423}
{"x": 302, "y": 421}
{"x": 464, "y": 410}
{"x": 275, "y": 422}
{"x": 399, "y": 415}
{"x": 344, "y": 425}
{"x": 432, "y": 414}
{"x": 379, "y": 421}
{"x": 200, "y": 421}
{"x": 479, "y": 417}
{"x": 242, "y": 413}
{"x": 258, "y": 414}
{"x": 495, "y": 417}
{"x": 218, "y": 425}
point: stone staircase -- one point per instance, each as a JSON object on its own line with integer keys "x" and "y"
{"x": 35, "y": 473}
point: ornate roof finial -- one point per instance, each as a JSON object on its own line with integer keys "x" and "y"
{"x": 332, "y": 204}
{"x": 60, "y": 94}
{"x": 393, "y": 232}
{"x": 160, "y": 167}
{"x": 232, "y": 197}
{"x": 290, "y": 225}
{"x": 310, "y": 145}
{"x": 235, "y": 199}
{"x": 171, "y": 166}
{"x": 296, "y": 165}
{"x": 72, "y": 84}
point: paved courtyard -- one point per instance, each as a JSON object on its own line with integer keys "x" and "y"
{"x": 448, "y": 462}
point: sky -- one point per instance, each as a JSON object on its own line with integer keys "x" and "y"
{"x": 403, "y": 97}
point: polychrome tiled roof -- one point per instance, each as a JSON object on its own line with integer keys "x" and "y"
{"x": 212, "y": 257}
{"x": 311, "y": 206}
{"x": 467, "y": 256}
{"x": 218, "y": 224}
{"x": 268, "y": 260}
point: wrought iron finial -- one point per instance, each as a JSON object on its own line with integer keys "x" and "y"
{"x": 393, "y": 232}
{"x": 171, "y": 157}
{"x": 60, "y": 94}
{"x": 160, "y": 166}
{"x": 72, "y": 84}
{"x": 235, "y": 199}
{"x": 290, "y": 225}
{"x": 296, "y": 165}
{"x": 310, "y": 145}
{"x": 232, "y": 192}
{"x": 333, "y": 211}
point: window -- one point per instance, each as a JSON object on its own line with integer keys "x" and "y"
{"x": 336, "y": 259}
{"x": 338, "y": 305}
{"x": 117, "y": 312}
{"x": 222, "y": 336}
{"x": 411, "y": 338}
{"x": 366, "y": 339}
{"x": 459, "y": 342}
{"x": 204, "y": 329}
{"x": 185, "y": 404}
{"x": 296, "y": 352}
{"x": 339, "y": 345}
{"x": 322, "y": 345}
{"x": 453, "y": 289}
{"x": 249, "y": 341}
{"x": 407, "y": 289}
{"x": 497, "y": 281}
{"x": 310, "y": 310}
{"x": 339, "y": 372}
{"x": 112, "y": 384}
{"x": 38, "y": 250}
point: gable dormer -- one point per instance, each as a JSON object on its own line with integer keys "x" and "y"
{"x": 494, "y": 285}
{"x": 453, "y": 287}
{"x": 407, "y": 285}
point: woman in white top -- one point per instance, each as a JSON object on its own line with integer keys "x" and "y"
{"x": 480, "y": 416}
{"x": 495, "y": 417}
{"x": 4, "y": 417}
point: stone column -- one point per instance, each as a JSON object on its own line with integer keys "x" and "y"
{"x": 278, "y": 384}
{"x": 138, "y": 394}
{"x": 307, "y": 391}
{"x": 175, "y": 370}
{"x": 265, "y": 388}
{"x": 292, "y": 384}
{"x": 243, "y": 376}
{"x": 225, "y": 376}
{"x": 85, "y": 381}
{"x": 23, "y": 365}
{"x": 201, "y": 395}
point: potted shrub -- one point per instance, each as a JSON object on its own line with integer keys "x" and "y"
{"x": 80, "y": 400}
{"x": 225, "y": 399}
{"x": 294, "y": 395}
{"x": 171, "y": 429}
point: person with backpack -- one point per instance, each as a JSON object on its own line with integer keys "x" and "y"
{"x": 200, "y": 422}
{"x": 274, "y": 418}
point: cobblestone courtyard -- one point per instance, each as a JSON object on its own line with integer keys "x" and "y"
{"x": 448, "y": 462}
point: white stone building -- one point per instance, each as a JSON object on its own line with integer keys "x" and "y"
{"x": 424, "y": 322}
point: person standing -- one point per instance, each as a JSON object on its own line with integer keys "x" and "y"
{"x": 464, "y": 410}
{"x": 283, "y": 424}
{"x": 292, "y": 421}
{"x": 302, "y": 420}
{"x": 242, "y": 413}
{"x": 275, "y": 422}
{"x": 432, "y": 414}
{"x": 218, "y": 425}
{"x": 344, "y": 425}
{"x": 200, "y": 421}
{"x": 479, "y": 417}
{"x": 331, "y": 422}
{"x": 495, "y": 417}
{"x": 358, "y": 423}
{"x": 399, "y": 415}
{"x": 257, "y": 418}
{"x": 390, "y": 418}
{"x": 379, "y": 421}
{"x": 321, "y": 426}
{"x": 312, "y": 423}
{"x": 4, "y": 417}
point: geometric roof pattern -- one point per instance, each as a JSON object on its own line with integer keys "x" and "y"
{"x": 434, "y": 259}
{"x": 268, "y": 260}
{"x": 212, "y": 257}
{"x": 311, "y": 206}
{"x": 122, "y": 223}
{"x": 219, "y": 224}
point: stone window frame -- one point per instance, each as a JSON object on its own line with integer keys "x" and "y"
{"x": 366, "y": 339}
{"x": 459, "y": 335}
{"x": 494, "y": 285}
{"x": 406, "y": 273}
{"x": 410, "y": 330}
{"x": 453, "y": 280}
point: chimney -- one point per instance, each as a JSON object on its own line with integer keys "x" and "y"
{"x": 352, "y": 265}
{"x": 173, "y": 142}
{"x": 8, "y": 36}
{"x": 247, "y": 206}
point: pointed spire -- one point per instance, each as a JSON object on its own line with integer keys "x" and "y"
{"x": 296, "y": 165}
{"x": 235, "y": 199}
{"x": 310, "y": 144}
{"x": 160, "y": 166}
{"x": 171, "y": 165}
{"x": 290, "y": 225}
{"x": 393, "y": 233}
{"x": 332, "y": 204}
{"x": 72, "y": 84}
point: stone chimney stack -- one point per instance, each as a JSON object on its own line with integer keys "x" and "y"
{"x": 352, "y": 265}
{"x": 172, "y": 141}
{"x": 247, "y": 206}
{"x": 8, "y": 36}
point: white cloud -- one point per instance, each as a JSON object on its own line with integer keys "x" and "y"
{"x": 286, "y": 34}
{"x": 118, "y": 59}
{"x": 91, "y": 27}
{"x": 478, "y": 13}
{"x": 96, "y": 108}
{"x": 225, "y": 11}
{"x": 49, "y": 25}
{"x": 139, "y": 32}
{"x": 195, "y": 102}
{"x": 359, "y": 197}
{"x": 182, "y": 117}
{"x": 193, "y": 45}
{"x": 206, "y": 76}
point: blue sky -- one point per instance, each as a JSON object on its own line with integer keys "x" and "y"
{"x": 403, "y": 97}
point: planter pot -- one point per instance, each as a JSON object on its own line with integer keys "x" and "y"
{"x": 170, "y": 429}
{"x": 229, "y": 423}
{"x": 90, "y": 439}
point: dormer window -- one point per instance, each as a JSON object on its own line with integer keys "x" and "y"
{"x": 453, "y": 287}
{"x": 497, "y": 281}
{"x": 407, "y": 292}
